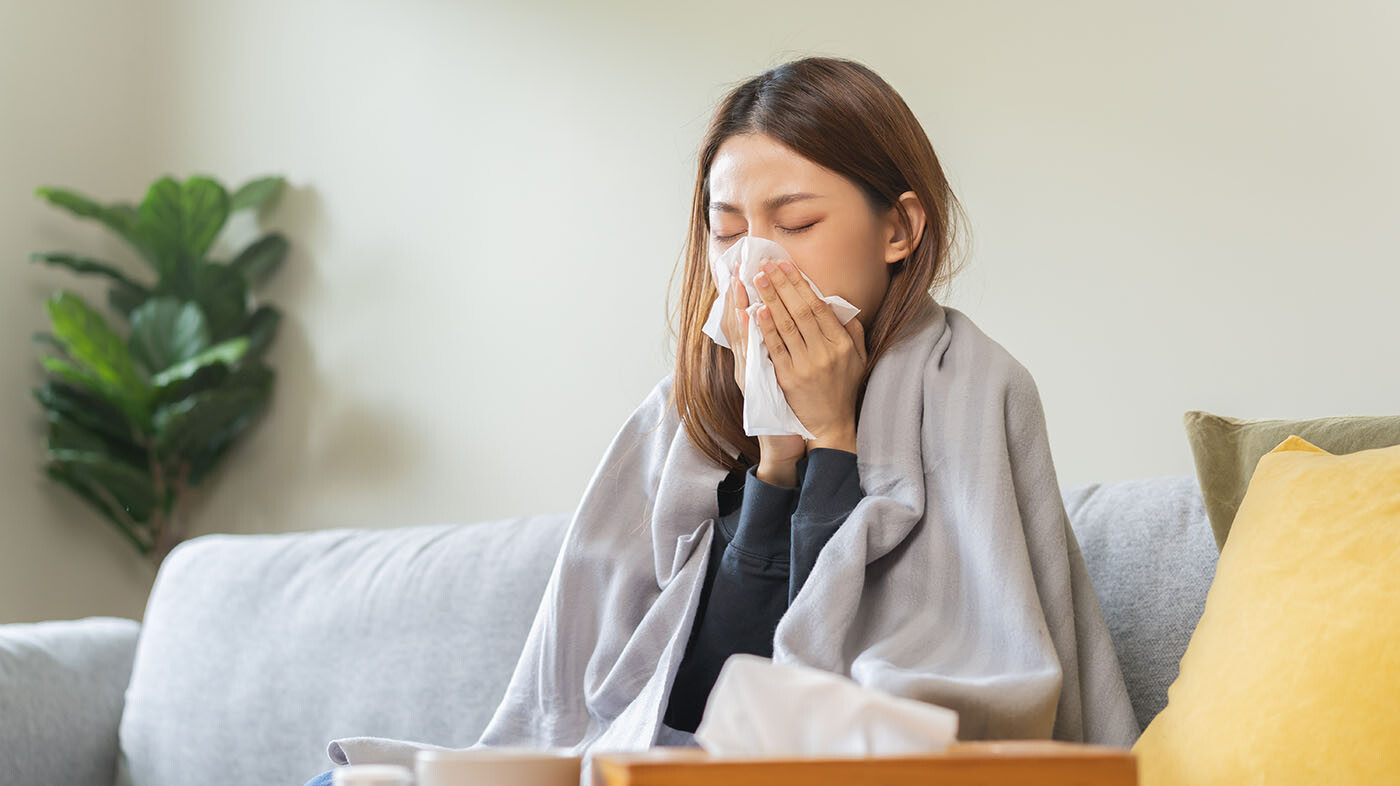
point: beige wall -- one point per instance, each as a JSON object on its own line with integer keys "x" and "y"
{"x": 1175, "y": 206}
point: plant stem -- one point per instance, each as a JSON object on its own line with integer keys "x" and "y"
{"x": 159, "y": 519}
{"x": 173, "y": 526}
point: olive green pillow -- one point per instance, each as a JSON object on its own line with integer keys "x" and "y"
{"x": 1226, "y": 449}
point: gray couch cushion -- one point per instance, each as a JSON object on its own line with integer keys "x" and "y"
{"x": 61, "y": 686}
{"x": 257, "y": 650}
{"x": 1151, "y": 554}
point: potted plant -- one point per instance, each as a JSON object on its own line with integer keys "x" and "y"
{"x": 138, "y": 417}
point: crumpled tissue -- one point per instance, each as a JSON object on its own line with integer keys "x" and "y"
{"x": 766, "y": 410}
{"x": 760, "y": 708}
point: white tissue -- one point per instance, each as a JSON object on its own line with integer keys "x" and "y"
{"x": 760, "y": 708}
{"x": 766, "y": 410}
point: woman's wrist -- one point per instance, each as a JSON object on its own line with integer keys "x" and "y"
{"x": 777, "y": 459}
{"x": 775, "y": 473}
{"x": 843, "y": 438}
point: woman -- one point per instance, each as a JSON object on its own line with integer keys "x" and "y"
{"x": 929, "y": 554}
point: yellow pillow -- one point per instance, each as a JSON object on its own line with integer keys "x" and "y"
{"x": 1292, "y": 675}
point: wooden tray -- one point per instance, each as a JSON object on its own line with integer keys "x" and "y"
{"x": 973, "y": 763}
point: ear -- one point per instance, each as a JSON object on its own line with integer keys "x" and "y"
{"x": 899, "y": 244}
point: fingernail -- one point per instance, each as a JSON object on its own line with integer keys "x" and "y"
{"x": 761, "y": 279}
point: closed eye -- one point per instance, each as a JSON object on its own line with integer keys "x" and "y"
{"x": 724, "y": 238}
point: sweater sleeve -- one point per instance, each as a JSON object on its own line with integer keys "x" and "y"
{"x": 830, "y": 490}
{"x": 744, "y": 594}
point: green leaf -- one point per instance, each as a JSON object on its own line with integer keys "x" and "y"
{"x": 66, "y": 435}
{"x": 118, "y": 217}
{"x": 189, "y": 425}
{"x": 253, "y": 376}
{"x": 227, "y": 352}
{"x": 98, "y": 358}
{"x": 261, "y": 258}
{"x": 181, "y": 221}
{"x": 69, "y": 434}
{"x": 131, "y": 486}
{"x": 261, "y": 328}
{"x": 256, "y": 378}
{"x": 204, "y": 378}
{"x": 181, "y": 281}
{"x": 126, "y": 299}
{"x": 134, "y": 410}
{"x": 166, "y": 331}
{"x": 75, "y": 203}
{"x": 92, "y": 412}
{"x": 77, "y": 376}
{"x": 255, "y": 192}
{"x": 67, "y": 476}
{"x": 214, "y": 450}
{"x": 83, "y": 265}
{"x": 206, "y": 206}
{"x": 91, "y": 342}
{"x": 222, "y": 294}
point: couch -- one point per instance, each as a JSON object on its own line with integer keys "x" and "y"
{"x": 256, "y": 650}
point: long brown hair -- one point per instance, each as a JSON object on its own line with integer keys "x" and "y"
{"x": 841, "y": 115}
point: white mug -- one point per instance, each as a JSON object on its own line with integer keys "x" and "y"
{"x": 498, "y": 767}
{"x": 371, "y": 775}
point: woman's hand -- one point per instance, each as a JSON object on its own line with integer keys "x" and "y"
{"x": 819, "y": 362}
{"x": 778, "y": 453}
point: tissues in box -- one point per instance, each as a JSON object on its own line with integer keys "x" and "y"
{"x": 761, "y": 708}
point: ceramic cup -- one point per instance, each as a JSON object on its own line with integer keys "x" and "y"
{"x": 498, "y": 767}
{"x": 371, "y": 775}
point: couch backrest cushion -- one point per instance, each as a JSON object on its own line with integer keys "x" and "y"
{"x": 257, "y": 650}
{"x": 61, "y": 685}
{"x": 1151, "y": 555}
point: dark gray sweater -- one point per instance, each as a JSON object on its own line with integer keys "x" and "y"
{"x": 766, "y": 540}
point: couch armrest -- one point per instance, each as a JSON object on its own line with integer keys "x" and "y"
{"x": 62, "y": 686}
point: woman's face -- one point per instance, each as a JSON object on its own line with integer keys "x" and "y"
{"x": 828, "y": 228}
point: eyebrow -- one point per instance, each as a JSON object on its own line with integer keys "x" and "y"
{"x": 771, "y": 204}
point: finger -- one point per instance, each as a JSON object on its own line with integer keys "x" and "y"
{"x": 774, "y": 340}
{"x": 831, "y": 328}
{"x": 803, "y": 316}
{"x": 735, "y": 287}
{"x": 726, "y": 320}
{"x": 778, "y": 315}
{"x": 856, "y": 331}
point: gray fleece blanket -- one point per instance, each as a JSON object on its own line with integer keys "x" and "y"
{"x": 956, "y": 580}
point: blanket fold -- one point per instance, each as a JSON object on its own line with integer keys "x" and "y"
{"x": 956, "y": 580}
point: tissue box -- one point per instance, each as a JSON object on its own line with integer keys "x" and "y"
{"x": 985, "y": 763}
